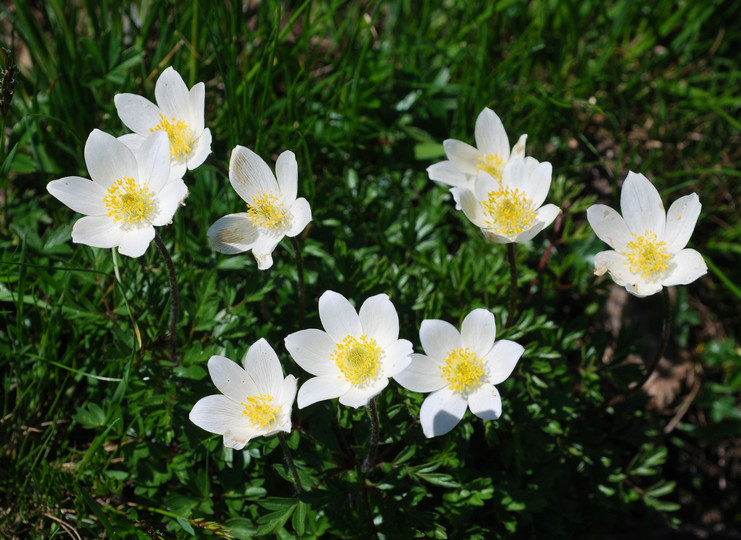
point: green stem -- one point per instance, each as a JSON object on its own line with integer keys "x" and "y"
{"x": 289, "y": 462}
{"x": 511, "y": 256}
{"x": 174, "y": 300}
{"x": 373, "y": 450}
{"x": 301, "y": 287}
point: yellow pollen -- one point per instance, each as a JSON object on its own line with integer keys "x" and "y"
{"x": 509, "y": 211}
{"x": 358, "y": 359}
{"x": 267, "y": 211}
{"x": 492, "y": 164}
{"x": 647, "y": 256}
{"x": 179, "y": 133}
{"x": 463, "y": 370}
{"x": 129, "y": 202}
{"x": 259, "y": 410}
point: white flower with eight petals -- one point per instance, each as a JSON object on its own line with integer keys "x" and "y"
{"x": 273, "y": 211}
{"x": 460, "y": 370}
{"x": 648, "y": 244}
{"x": 355, "y": 355}
{"x": 129, "y": 193}
{"x": 256, "y": 400}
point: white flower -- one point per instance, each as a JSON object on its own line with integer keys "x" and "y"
{"x": 460, "y": 369}
{"x": 128, "y": 195}
{"x": 179, "y": 113}
{"x": 648, "y": 244}
{"x": 491, "y": 154}
{"x": 509, "y": 210}
{"x": 273, "y": 211}
{"x": 256, "y": 400}
{"x": 355, "y": 355}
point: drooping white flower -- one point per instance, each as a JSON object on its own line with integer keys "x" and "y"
{"x": 490, "y": 155}
{"x": 273, "y": 211}
{"x": 130, "y": 193}
{"x": 254, "y": 401}
{"x": 356, "y": 353}
{"x": 648, "y": 244}
{"x": 510, "y": 209}
{"x": 179, "y": 113}
{"x": 460, "y": 369}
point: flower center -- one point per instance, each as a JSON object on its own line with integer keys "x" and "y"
{"x": 509, "y": 211}
{"x": 492, "y": 164}
{"x": 463, "y": 370}
{"x": 647, "y": 256}
{"x": 268, "y": 211}
{"x": 129, "y": 202}
{"x": 179, "y": 133}
{"x": 358, "y": 359}
{"x": 259, "y": 410}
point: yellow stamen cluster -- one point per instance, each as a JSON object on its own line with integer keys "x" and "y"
{"x": 129, "y": 202}
{"x": 463, "y": 370}
{"x": 179, "y": 133}
{"x": 492, "y": 164}
{"x": 647, "y": 256}
{"x": 509, "y": 211}
{"x": 259, "y": 410}
{"x": 267, "y": 211}
{"x": 358, "y": 359}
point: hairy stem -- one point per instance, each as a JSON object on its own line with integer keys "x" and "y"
{"x": 511, "y": 256}
{"x": 174, "y": 300}
{"x": 373, "y": 450}
{"x": 289, "y": 462}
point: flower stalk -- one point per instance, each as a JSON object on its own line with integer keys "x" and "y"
{"x": 174, "y": 299}
{"x": 370, "y": 460}
{"x": 511, "y": 256}
{"x": 289, "y": 461}
{"x": 301, "y": 287}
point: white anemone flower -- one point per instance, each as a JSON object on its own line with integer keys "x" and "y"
{"x": 510, "y": 209}
{"x": 648, "y": 244}
{"x": 273, "y": 211}
{"x": 179, "y": 113}
{"x": 130, "y": 193}
{"x": 256, "y": 400}
{"x": 355, "y": 355}
{"x": 460, "y": 369}
{"x": 491, "y": 154}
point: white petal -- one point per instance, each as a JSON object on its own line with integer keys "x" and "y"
{"x": 321, "y": 388}
{"x": 197, "y": 105}
{"x": 230, "y": 379}
{"x": 463, "y": 156}
{"x": 200, "y": 151}
{"x": 496, "y": 238}
{"x": 449, "y": 174}
{"x": 680, "y": 222}
{"x": 397, "y": 357}
{"x": 171, "y": 94}
{"x": 108, "y": 159}
{"x": 154, "y": 161}
{"x": 263, "y": 250}
{"x": 80, "y": 194}
{"x": 286, "y": 171}
{"x": 136, "y": 241}
{"x": 359, "y": 397}
{"x": 686, "y": 266}
{"x": 641, "y": 288}
{"x": 169, "y": 200}
{"x": 312, "y": 350}
{"x": 538, "y": 182}
{"x": 544, "y": 217}
{"x": 616, "y": 265}
{"x": 485, "y": 184}
{"x": 238, "y": 437}
{"x": 137, "y": 113}
{"x": 215, "y": 414}
{"x": 478, "y": 331}
{"x": 486, "y": 402}
{"x": 641, "y": 206}
{"x": 379, "y": 320}
{"x": 422, "y": 375}
{"x": 133, "y": 141}
{"x": 338, "y": 316}
{"x": 502, "y": 360}
{"x": 438, "y": 338}
{"x": 518, "y": 152}
{"x": 470, "y": 206}
{"x": 262, "y": 365}
{"x": 301, "y": 212}
{"x": 441, "y": 411}
{"x": 249, "y": 174}
{"x": 609, "y": 226}
{"x": 233, "y": 233}
{"x": 491, "y": 138}
{"x": 97, "y": 231}
{"x": 288, "y": 394}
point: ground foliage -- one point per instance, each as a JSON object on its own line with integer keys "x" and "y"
{"x": 94, "y": 427}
